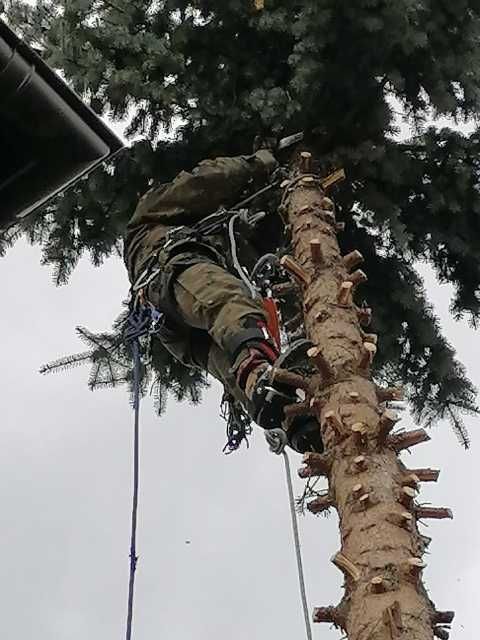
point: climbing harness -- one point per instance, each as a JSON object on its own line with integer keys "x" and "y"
{"x": 277, "y": 442}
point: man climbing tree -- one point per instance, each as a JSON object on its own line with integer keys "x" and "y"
{"x": 227, "y": 72}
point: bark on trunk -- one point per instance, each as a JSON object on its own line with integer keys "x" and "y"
{"x": 382, "y": 550}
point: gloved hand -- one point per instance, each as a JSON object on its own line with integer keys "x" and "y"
{"x": 267, "y": 158}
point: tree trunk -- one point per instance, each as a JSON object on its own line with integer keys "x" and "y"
{"x": 382, "y": 551}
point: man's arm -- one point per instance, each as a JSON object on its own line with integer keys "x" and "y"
{"x": 211, "y": 184}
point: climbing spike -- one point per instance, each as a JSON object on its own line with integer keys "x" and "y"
{"x": 401, "y": 441}
{"x": 352, "y": 260}
{"x": 344, "y": 297}
{"x": 298, "y": 272}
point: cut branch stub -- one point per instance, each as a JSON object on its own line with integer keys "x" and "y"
{"x": 316, "y": 251}
{"x": 389, "y": 394}
{"x": 346, "y": 566}
{"x": 441, "y": 633}
{"x": 330, "y": 615}
{"x": 369, "y": 352}
{"x": 352, "y": 260}
{"x": 359, "y": 431}
{"x": 411, "y": 480}
{"x": 414, "y": 567}
{"x": 297, "y": 271}
{"x": 357, "y": 277}
{"x": 326, "y": 370}
{"x": 378, "y": 584}
{"x": 316, "y": 464}
{"x": 401, "y": 441}
{"x": 332, "y": 420}
{"x": 320, "y": 504}
{"x": 306, "y": 161}
{"x": 360, "y": 464}
{"x": 333, "y": 178}
{"x": 339, "y": 227}
{"x": 344, "y": 297}
{"x": 403, "y": 520}
{"x": 387, "y": 422}
{"x": 407, "y": 496}
{"x": 434, "y": 513}
{"x": 358, "y": 491}
{"x": 426, "y": 475}
{"x": 444, "y": 617}
{"x": 370, "y": 337}
{"x": 392, "y": 617}
{"x": 364, "y": 316}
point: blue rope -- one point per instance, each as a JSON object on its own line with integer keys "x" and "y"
{"x": 141, "y": 321}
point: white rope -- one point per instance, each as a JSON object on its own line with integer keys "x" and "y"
{"x": 298, "y": 550}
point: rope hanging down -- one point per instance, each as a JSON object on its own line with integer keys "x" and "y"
{"x": 277, "y": 440}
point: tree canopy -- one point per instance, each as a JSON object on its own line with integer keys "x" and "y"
{"x": 201, "y": 78}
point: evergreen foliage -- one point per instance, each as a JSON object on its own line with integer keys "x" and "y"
{"x": 214, "y": 75}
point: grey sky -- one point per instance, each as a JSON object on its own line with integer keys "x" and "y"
{"x": 65, "y": 490}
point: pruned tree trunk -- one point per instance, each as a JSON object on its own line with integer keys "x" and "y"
{"x": 381, "y": 552}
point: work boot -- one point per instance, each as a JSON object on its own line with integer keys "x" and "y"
{"x": 268, "y": 398}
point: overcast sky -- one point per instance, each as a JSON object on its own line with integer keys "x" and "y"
{"x": 65, "y": 490}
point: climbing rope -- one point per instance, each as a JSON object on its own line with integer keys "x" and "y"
{"x": 277, "y": 440}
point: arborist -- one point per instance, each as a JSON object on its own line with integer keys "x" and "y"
{"x": 209, "y": 318}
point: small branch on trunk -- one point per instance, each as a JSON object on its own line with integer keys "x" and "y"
{"x": 293, "y": 268}
{"x": 352, "y": 260}
{"x": 389, "y": 394}
{"x": 330, "y": 615}
{"x": 401, "y": 441}
{"x": 434, "y": 513}
{"x": 444, "y": 617}
{"x": 426, "y": 475}
{"x": 347, "y": 566}
{"x": 316, "y": 464}
{"x": 320, "y": 504}
{"x": 326, "y": 370}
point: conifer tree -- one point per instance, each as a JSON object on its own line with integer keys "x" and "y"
{"x": 201, "y": 78}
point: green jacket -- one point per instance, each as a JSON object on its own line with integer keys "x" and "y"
{"x": 188, "y": 199}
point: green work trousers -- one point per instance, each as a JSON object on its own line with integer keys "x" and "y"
{"x": 212, "y": 305}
